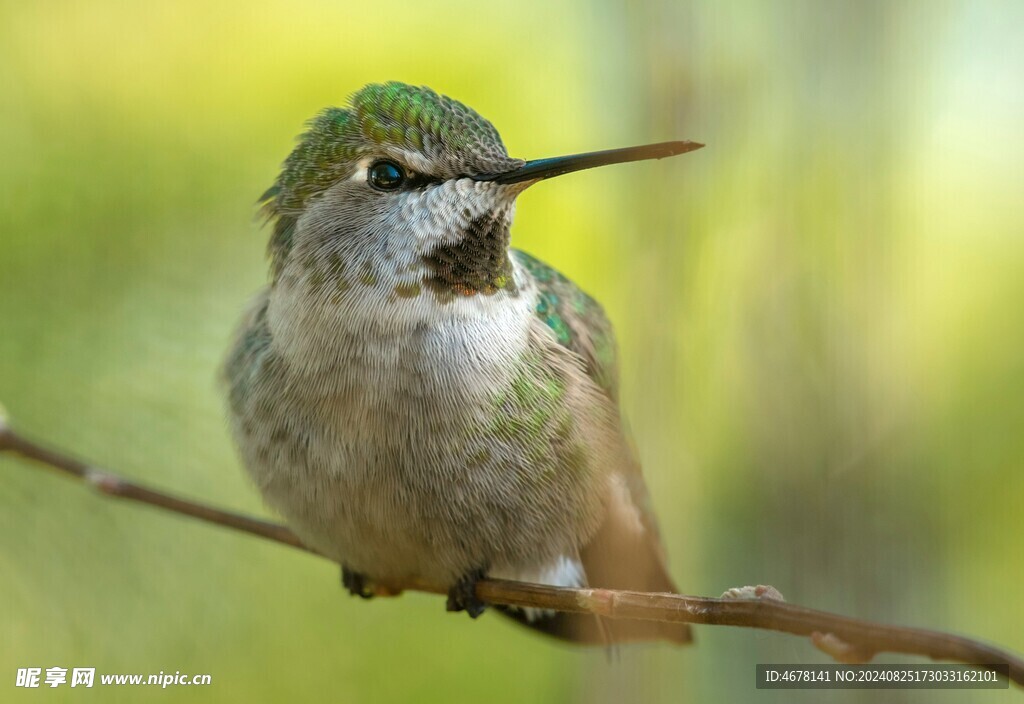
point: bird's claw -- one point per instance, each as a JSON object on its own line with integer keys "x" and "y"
{"x": 462, "y": 595}
{"x": 356, "y": 584}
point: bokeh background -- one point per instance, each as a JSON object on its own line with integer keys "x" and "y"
{"x": 820, "y": 319}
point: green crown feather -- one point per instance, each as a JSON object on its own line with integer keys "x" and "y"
{"x": 381, "y": 118}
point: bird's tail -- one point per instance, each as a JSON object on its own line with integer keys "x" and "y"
{"x": 625, "y": 553}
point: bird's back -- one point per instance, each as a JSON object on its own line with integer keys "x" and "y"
{"x": 626, "y": 551}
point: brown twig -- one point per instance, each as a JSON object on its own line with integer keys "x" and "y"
{"x": 840, "y": 636}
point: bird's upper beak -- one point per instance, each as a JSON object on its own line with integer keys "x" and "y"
{"x": 539, "y": 169}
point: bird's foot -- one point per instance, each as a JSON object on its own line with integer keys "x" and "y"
{"x": 462, "y": 595}
{"x": 356, "y": 584}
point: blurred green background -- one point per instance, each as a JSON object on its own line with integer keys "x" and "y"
{"x": 820, "y": 319}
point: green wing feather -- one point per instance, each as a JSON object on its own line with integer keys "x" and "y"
{"x": 618, "y": 556}
{"x": 578, "y": 321}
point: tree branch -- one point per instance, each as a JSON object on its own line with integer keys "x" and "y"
{"x": 846, "y": 639}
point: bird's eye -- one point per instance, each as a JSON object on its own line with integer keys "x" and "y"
{"x": 385, "y": 175}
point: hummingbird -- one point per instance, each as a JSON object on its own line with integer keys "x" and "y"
{"x": 419, "y": 400}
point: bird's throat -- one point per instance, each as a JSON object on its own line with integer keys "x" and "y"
{"x": 477, "y": 263}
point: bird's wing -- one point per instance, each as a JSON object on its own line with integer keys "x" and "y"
{"x": 626, "y": 551}
{"x": 578, "y": 321}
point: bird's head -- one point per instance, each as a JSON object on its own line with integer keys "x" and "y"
{"x": 407, "y": 191}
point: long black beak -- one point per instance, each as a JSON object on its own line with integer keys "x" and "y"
{"x": 556, "y": 166}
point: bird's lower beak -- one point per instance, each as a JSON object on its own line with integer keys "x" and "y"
{"x": 539, "y": 169}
